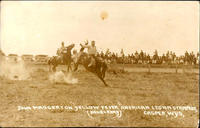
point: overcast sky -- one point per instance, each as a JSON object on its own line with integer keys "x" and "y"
{"x": 38, "y": 27}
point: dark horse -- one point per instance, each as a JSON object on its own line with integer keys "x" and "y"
{"x": 99, "y": 69}
{"x": 66, "y": 60}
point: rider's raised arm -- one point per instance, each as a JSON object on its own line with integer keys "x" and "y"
{"x": 85, "y": 46}
{"x": 70, "y": 46}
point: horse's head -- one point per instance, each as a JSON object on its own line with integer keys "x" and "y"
{"x": 82, "y": 58}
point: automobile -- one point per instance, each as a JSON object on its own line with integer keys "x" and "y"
{"x": 27, "y": 58}
{"x": 13, "y": 57}
{"x": 41, "y": 59}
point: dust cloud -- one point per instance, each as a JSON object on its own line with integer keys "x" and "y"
{"x": 14, "y": 70}
{"x": 60, "y": 77}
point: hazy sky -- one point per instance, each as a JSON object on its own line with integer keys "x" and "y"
{"x": 38, "y": 27}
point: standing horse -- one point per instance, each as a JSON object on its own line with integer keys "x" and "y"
{"x": 57, "y": 60}
{"x": 99, "y": 69}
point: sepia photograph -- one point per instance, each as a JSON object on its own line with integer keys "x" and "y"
{"x": 99, "y": 64}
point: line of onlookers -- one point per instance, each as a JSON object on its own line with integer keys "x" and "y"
{"x": 134, "y": 58}
{"x": 143, "y": 58}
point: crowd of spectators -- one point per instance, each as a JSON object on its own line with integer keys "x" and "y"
{"x": 189, "y": 58}
{"x": 144, "y": 58}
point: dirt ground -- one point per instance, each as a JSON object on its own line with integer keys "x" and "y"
{"x": 129, "y": 88}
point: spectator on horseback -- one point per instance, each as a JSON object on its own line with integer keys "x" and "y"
{"x": 136, "y": 56}
{"x": 102, "y": 55}
{"x": 60, "y": 51}
{"x": 92, "y": 51}
{"x": 106, "y": 54}
{"x": 65, "y": 50}
{"x": 141, "y": 55}
{"x": 198, "y": 54}
{"x": 62, "y": 47}
{"x": 121, "y": 56}
{"x": 69, "y": 48}
{"x": 75, "y": 56}
{"x": 122, "y": 53}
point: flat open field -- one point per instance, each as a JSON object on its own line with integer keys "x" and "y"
{"x": 134, "y": 87}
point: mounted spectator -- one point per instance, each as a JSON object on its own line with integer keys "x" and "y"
{"x": 141, "y": 56}
{"x": 102, "y": 55}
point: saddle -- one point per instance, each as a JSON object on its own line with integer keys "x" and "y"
{"x": 99, "y": 61}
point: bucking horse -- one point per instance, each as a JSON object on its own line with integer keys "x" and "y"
{"x": 99, "y": 68}
{"x": 54, "y": 61}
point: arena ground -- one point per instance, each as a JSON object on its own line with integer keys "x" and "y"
{"x": 135, "y": 86}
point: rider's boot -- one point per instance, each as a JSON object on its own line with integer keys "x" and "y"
{"x": 62, "y": 59}
{"x": 92, "y": 62}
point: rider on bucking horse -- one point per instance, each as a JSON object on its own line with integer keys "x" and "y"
{"x": 92, "y": 51}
